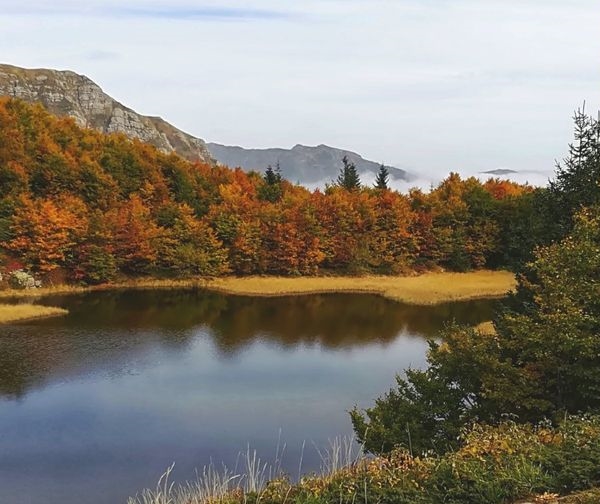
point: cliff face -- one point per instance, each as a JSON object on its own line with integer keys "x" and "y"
{"x": 66, "y": 93}
{"x": 307, "y": 165}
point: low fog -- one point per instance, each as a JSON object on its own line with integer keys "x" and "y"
{"x": 426, "y": 181}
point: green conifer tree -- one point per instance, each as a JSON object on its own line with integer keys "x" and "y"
{"x": 348, "y": 177}
{"x": 273, "y": 176}
{"x": 381, "y": 181}
{"x": 272, "y": 189}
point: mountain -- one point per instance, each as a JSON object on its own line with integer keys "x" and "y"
{"x": 500, "y": 171}
{"x": 66, "y": 93}
{"x": 307, "y": 165}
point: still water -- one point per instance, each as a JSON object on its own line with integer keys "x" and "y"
{"x": 94, "y": 406}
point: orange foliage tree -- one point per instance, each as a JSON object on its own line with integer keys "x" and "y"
{"x": 47, "y": 232}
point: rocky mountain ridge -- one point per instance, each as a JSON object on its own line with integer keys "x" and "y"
{"x": 66, "y": 93}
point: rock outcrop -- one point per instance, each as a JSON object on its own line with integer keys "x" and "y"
{"x": 66, "y": 93}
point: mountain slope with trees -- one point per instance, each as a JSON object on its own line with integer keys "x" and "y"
{"x": 84, "y": 206}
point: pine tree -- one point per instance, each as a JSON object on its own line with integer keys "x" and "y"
{"x": 577, "y": 178}
{"x": 273, "y": 176}
{"x": 381, "y": 181}
{"x": 272, "y": 189}
{"x": 348, "y": 177}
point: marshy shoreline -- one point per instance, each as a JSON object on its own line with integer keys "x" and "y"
{"x": 423, "y": 290}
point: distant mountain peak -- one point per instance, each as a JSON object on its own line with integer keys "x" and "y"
{"x": 500, "y": 171}
{"x": 66, "y": 93}
{"x": 302, "y": 163}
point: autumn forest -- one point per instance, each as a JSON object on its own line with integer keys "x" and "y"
{"x": 80, "y": 206}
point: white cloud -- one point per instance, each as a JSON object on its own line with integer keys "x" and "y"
{"x": 439, "y": 85}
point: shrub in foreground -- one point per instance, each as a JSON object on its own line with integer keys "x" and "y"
{"x": 494, "y": 465}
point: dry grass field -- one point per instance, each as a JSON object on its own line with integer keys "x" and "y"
{"x": 426, "y": 289}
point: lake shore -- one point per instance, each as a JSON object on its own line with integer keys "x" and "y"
{"x": 24, "y": 312}
{"x": 425, "y": 289}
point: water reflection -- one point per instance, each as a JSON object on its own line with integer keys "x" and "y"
{"x": 95, "y": 405}
{"x": 333, "y": 320}
{"x": 107, "y": 329}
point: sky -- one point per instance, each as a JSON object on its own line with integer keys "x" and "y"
{"x": 431, "y": 86}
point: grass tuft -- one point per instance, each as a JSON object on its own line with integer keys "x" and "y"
{"x": 486, "y": 328}
{"x": 21, "y": 312}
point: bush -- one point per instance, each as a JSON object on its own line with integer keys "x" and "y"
{"x": 576, "y": 465}
{"x": 21, "y": 279}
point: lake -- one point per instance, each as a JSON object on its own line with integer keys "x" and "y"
{"x": 94, "y": 406}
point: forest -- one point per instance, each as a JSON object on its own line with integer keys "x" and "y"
{"x": 78, "y": 206}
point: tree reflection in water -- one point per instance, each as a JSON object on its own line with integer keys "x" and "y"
{"x": 105, "y": 330}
